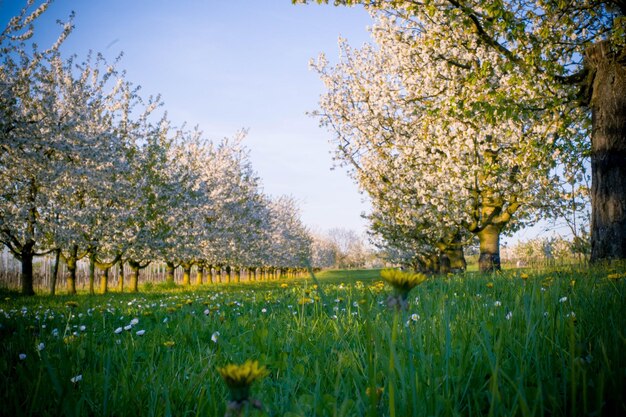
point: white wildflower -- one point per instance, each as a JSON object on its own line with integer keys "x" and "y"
{"x": 76, "y": 379}
{"x": 140, "y": 332}
{"x": 215, "y": 336}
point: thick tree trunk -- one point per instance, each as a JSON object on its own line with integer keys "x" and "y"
{"x": 200, "y": 274}
{"x": 71, "y": 261}
{"x": 489, "y": 260}
{"x": 608, "y": 153}
{"x": 209, "y": 273}
{"x": 218, "y": 274}
{"x": 228, "y": 274}
{"x": 186, "y": 272}
{"x": 71, "y": 278}
{"x": 457, "y": 259}
{"x": 134, "y": 276}
{"x": 55, "y": 271}
{"x": 169, "y": 272}
{"x": 27, "y": 255}
{"x": 104, "y": 281}
{"x": 444, "y": 264}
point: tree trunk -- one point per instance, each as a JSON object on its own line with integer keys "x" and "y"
{"x": 489, "y": 260}
{"x": 55, "y": 271}
{"x": 71, "y": 278}
{"x": 169, "y": 273}
{"x": 71, "y": 261}
{"x": 120, "y": 283}
{"x": 27, "y": 255}
{"x": 228, "y": 274}
{"x": 457, "y": 258}
{"x": 218, "y": 274}
{"x": 237, "y": 274}
{"x": 92, "y": 273}
{"x": 200, "y": 274}
{"x": 209, "y": 273}
{"x": 134, "y": 276}
{"x": 186, "y": 272}
{"x": 444, "y": 263}
{"x": 608, "y": 153}
{"x": 104, "y": 281}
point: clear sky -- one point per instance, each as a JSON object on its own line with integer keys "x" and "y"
{"x": 231, "y": 64}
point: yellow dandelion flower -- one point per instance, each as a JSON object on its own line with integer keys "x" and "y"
{"x": 283, "y": 285}
{"x": 524, "y": 276}
{"x": 169, "y": 344}
{"x": 490, "y": 285}
{"x": 239, "y": 378}
{"x": 616, "y": 276}
{"x": 305, "y": 300}
{"x": 401, "y": 281}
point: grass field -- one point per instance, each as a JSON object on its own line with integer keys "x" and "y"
{"x": 549, "y": 345}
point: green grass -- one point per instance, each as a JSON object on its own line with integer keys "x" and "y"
{"x": 468, "y": 345}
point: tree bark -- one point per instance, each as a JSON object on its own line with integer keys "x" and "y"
{"x": 186, "y": 272}
{"x": 104, "y": 281}
{"x": 55, "y": 271}
{"x": 489, "y": 259}
{"x": 71, "y": 278}
{"x": 71, "y": 261}
{"x": 444, "y": 264}
{"x": 169, "y": 272}
{"x": 27, "y": 255}
{"x": 608, "y": 152}
{"x": 200, "y": 274}
{"x": 228, "y": 273}
{"x": 134, "y": 276}
{"x": 457, "y": 258}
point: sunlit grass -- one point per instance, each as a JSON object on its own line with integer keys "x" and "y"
{"x": 552, "y": 343}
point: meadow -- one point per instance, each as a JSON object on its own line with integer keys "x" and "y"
{"x": 543, "y": 343}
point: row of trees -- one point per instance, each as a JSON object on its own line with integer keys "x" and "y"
{"x": 90, "y": 169}
{"x": 472, "y": 118}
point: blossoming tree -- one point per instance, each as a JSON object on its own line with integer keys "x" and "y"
{"x": 572, "y": 51}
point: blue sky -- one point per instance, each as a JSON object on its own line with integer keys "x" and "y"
{"x": 231, "y": 64}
